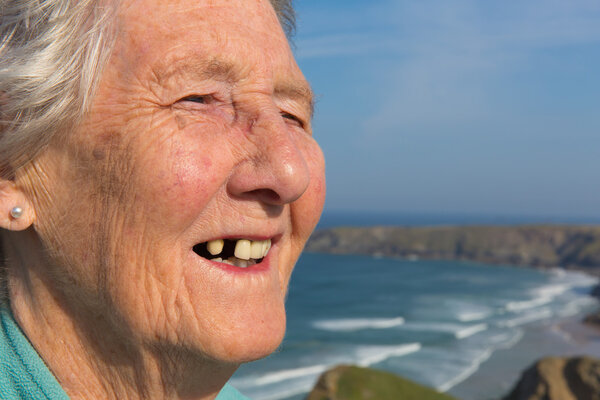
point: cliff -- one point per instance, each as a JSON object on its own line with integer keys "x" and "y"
{"x": 538, "y": 246}
{"x": 347, "y": 382}
{"x": 556, "y": 378}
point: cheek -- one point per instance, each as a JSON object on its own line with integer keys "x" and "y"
{"x": 184, "y": 184}
{"x": 182, "y": 176}
{"x": 307, "y": 209}
{"x": 317, "y": 188}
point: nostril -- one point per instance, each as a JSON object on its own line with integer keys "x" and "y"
{"x": 265, "y": 195}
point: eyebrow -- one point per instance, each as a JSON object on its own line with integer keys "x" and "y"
{"x": 204, "y": 69}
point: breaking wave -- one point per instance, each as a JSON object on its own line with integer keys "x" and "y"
{"x": 356, "y": 324}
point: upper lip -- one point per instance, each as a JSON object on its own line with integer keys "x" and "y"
{"x": 249, "y": 237}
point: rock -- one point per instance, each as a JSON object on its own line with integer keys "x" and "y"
{"x": 543, "y": 246}
{"x": 595, "y": 291}
{"x": 593, "y": 319}
{"x": 555, "y": 378}
{"x": 346, "y": 382}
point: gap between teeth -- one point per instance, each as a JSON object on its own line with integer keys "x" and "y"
{"x": 244, "y": 249}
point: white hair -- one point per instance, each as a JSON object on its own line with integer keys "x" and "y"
{"x": 52, "y": 53}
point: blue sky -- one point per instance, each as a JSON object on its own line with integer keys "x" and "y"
{"x": 463, "y": 106}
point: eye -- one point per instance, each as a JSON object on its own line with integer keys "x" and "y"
{"x": 293, "y": 118}
{"x": 199, "y": 98}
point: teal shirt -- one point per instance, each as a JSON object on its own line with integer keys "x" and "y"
{"x": 25, "y": 376}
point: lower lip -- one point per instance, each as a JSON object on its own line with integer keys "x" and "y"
{"x": 256, "y": 268}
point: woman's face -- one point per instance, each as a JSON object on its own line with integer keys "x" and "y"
{"x": 199, "y": 130}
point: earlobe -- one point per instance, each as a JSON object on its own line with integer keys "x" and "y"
{"x": 16, "y": 211}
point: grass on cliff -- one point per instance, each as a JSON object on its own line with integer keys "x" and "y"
{"x": 366, "y": 384}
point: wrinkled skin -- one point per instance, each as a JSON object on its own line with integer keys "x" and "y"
{"x": 200, "y": 129}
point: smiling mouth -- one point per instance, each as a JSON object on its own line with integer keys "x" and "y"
{"x": 242, "y": 253}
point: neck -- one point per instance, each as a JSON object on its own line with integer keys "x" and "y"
{"x": 89, "y": 350}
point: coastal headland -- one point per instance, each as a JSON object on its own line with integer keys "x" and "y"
{"x": 542, "y": 246}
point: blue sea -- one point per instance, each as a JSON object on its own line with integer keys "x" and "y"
{"x": 435, "y": 322}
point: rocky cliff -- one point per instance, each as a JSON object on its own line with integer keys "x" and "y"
{"x": 347, "y": 382}
{"x": 539, "y": 246}
{"x": 556, "y": 378}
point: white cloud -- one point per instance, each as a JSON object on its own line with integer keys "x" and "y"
{"x": 453, "y": 53}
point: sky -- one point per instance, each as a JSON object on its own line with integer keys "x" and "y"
{"x": 462, "y": 106}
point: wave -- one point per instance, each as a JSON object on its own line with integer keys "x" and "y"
{"x": 286, "y": 374}
{"x": 470, "y": 331}
{"x": 356, "y": 324}
{"x": 553, "y": 290}
{"x": 469, "y": 316}
{"x": 575, "y": 306}
{"x": 369, "y": 355}
{"x": 362, "y": 355}
{"x": 546, "y": 294}
{"x": 516, "y": 306}
{"x": 459, "y": 331}
{"x": 540, "y": 314}
{"x": 507, "y": 340}
{"x": 465, "y": 310}
{"x": 467, "y": 372}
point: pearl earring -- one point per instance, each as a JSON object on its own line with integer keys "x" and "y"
{"x": 16, "y": 212}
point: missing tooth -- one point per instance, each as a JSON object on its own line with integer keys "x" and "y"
{"x": 228, "y": 251}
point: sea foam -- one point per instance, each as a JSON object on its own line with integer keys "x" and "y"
{"x": 356, "y": 324}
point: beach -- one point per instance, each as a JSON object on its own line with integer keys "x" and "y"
{"x": 497, "y": 376}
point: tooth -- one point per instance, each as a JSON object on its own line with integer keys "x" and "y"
{"x": 241, "y": 263}
{"x": 256, "y": 250}
{"x": 242, "y": 249}
{"x": 266, "y": 247}
{"x": 218, "y": 259}
{"x": 227, "y": 262}
{"x": 215, "y": 247}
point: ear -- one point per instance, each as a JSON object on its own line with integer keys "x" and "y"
{"x": 10, "y": 197}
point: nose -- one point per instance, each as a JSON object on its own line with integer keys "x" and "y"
{"x": 275, "y": 170}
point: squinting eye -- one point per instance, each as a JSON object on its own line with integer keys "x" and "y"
{"x": 196, "y": 98}
{"x": 292, "y": 117}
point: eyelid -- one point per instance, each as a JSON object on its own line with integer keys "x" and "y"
{"x": 292, "y": 117}
{"x": 199, "y": 98}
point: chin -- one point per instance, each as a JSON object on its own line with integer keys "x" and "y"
{"x": 251, "y": 337}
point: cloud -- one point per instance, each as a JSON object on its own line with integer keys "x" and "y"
{"x": 343, "y": 44}
{"x": 465, "y": 25}
{"x": 454, "y": 56}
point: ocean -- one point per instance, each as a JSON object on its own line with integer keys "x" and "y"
{"x": 436, "y": 322}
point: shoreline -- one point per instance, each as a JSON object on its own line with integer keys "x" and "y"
{"x": 497, "y": 376}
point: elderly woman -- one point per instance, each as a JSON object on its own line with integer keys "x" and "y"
{"x": 158, "y": 183}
